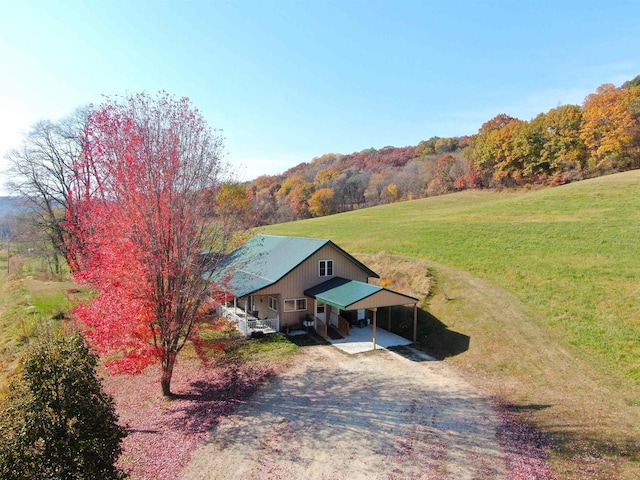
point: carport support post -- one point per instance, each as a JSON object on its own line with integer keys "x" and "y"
{"x": 375, "y": 322}
{"x": 389, "y": 320}
{"x": 415, "y": 322}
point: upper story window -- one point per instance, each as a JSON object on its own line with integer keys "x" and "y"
{"x": 325, "y": 268}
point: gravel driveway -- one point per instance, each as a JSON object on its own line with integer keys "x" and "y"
{"x": 367, "y": 416}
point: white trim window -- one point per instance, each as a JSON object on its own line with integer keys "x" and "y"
{"x": 295, "y": 304}
{"x": 325, "y": 268}
{"x": 273, "y": 303}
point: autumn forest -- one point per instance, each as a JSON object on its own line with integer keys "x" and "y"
{"x": 565, "y": 144}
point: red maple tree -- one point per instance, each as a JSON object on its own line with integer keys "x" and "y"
{"x": 140, "y": 218}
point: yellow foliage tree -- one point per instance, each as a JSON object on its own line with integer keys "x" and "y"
{"x": 288, "y": 185}
{"x": 322, "y": 202}
{"x": 324, "y": 177}
{"x": 392, "y": 188}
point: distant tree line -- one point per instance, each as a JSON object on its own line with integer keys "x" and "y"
{"x": 567, "y": 143}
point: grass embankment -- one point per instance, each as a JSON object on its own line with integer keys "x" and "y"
{"x": 546, "y": 286}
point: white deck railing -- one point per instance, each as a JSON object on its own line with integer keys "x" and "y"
{"x": 246, "y": 323}
{"x": 267, "y": 325}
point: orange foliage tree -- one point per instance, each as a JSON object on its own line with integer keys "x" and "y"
{"x": 611, "y": 127}
{"x": 299, "y": 197}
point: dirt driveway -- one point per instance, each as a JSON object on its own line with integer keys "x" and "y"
{"x": 368, "y": 416}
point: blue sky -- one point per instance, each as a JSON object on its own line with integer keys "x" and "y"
{"x": 290, "y": 80}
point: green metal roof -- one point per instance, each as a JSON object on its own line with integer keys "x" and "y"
{"x": 265, "y": 259}
{"x": 341, "y": 293}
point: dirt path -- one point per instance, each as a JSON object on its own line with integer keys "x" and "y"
{"x": 372, "y": 416}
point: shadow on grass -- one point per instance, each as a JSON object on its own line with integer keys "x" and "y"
{"x": 532, "y": 407}
{"x": 308, "y": 339}
{"x": 439, "y": 341}
{"x": 589, "y": 456}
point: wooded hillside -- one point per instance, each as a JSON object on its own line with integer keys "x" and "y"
{"x": 567, "y": 143}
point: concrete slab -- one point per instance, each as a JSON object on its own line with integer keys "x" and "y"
{"x": 361, "y": 340}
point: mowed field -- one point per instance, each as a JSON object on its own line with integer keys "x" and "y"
{"x": 546, "y": 286}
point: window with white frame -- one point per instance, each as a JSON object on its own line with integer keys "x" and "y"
{"x": 325, "y": 268}
{"x": 273, "y": 303}
{"x": 295, "y": 304}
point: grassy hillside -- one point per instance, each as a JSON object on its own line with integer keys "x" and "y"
{"x": 545, "y": 283}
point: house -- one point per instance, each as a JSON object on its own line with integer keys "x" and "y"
{"x": 277, "y": 283}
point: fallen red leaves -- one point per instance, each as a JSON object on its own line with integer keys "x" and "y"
{"x": 163, "y": 432}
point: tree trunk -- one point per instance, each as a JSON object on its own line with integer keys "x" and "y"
{"x": 56, "y": 263}
{"x": 168, "y": 361}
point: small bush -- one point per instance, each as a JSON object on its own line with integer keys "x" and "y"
{"x": 58, "y": 422}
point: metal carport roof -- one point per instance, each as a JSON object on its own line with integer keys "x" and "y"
{"x": 351, "y": 295}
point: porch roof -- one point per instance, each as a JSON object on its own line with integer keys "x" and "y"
{"x": 351, "y": 294}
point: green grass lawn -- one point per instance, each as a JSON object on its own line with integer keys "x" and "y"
{"x": 545, "y": 285}
{"x": 25, "y": 305}
{"x": 571, "y": 253}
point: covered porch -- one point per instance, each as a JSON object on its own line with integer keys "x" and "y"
{"x": 340, "y": 294}
{"x": 247, "y": 317}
